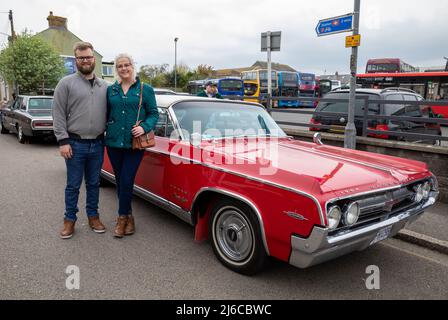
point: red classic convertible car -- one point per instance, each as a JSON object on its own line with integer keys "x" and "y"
{"x": 228, "y": 169}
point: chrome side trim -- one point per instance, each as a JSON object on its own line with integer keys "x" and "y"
{"x": 243, "y": 199}
{"x": 302, "y": 193}
{"x": 155, "y": 199}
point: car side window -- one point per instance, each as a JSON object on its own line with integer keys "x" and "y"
{"x": 23, "y": 105}
{"x": 160, "y": 128}
{"x": 17, "y": 103}
{"x": 390, "y": 108}
{"x": 164, "y": 126}
{"x": 409, "y": 97}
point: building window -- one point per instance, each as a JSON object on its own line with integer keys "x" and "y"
{"x": 108, "y": 71}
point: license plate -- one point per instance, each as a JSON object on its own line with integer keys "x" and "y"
{"x": 381, "y": 235}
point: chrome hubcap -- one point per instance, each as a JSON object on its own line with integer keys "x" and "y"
{"x": 234, "y": 234}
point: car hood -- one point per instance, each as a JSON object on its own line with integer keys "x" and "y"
{"x": 313, "y": 168}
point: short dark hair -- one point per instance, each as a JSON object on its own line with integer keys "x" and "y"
{"x": 82, "y": 46}
{"x": 210, "y": 83}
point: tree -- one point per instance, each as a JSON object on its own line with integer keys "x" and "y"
{"x": 154, "y": 74}
{"x": 31, "y": 63}
{"x": 204, "y": 71}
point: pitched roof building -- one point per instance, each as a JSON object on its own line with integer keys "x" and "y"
{"x": 236, "y": 72}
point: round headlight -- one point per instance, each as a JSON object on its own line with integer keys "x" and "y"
{"x": 418, "y": 197}
{"x": 334, "y": 216}
{"x": 426, "y": 190}
{"x": 351, "y": 214}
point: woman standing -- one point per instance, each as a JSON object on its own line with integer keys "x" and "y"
{"x": 123, "y": 103}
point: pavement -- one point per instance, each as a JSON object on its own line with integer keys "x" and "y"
{"x": 430, "y": 230}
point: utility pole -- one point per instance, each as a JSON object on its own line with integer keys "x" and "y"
{"x": 175, "y": 64}
{"x": 11, "y": 20}
{"x": 350, "y": 129}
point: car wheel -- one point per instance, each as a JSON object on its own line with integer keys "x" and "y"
{"x": 3, "y": 130}
{"x": 236, "y": 237}
{"x": 20, "y": 136}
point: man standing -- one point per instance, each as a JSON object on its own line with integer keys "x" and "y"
{"x": 79, "y": 116}
{"x": 211, "y": 91}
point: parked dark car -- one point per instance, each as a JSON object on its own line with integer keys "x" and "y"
{"x": 339, "y": 121}
{"x": 28, "y": 116}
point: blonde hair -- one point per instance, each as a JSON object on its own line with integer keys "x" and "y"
{"x": 131, "y": 61}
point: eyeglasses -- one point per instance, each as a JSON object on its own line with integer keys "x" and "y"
{"x": 87, "y": 58}
{"x": 124, "y": 66}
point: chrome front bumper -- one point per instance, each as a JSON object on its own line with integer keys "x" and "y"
{"x": 320, "y": 247}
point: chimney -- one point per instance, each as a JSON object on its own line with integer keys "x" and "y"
{"x": 56, "y": 22}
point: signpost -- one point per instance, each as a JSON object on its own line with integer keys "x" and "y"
{"x": 270, "y": 41}
{"x": 334, "y": 25}
{"x": 346, "y": 23}
{"x": 353, "y": 41}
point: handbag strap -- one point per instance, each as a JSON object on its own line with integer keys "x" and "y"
{"x": 139, "y": 104}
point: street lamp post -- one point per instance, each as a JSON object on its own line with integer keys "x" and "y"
{"x": 175, "y": 63}
{"x": 446, "y": 66}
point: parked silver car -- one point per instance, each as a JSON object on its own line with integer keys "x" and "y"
{"x": 28, "y": 116}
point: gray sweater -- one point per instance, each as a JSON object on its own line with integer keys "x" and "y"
{"x": 79, "y": 108}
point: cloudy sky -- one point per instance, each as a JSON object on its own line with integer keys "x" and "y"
{"x": 226, "y": 33}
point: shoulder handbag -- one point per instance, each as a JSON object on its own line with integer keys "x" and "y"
{"x": 146, "y": 140}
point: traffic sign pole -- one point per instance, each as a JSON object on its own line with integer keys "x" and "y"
{"x": 350, "y": 129}
{"x": 269, "y": 70}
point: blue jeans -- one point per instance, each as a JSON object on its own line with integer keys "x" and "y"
{"x": 86, "y": 161}
{"x": 125, "y": 163}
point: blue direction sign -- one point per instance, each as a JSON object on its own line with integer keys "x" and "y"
{"x": 335, "y": 25}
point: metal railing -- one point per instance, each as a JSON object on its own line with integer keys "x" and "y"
{"x": 366, "y": 118}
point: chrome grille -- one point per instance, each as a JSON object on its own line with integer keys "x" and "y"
{"x": 379, "y": 207}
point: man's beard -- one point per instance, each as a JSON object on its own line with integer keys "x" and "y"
{"x": 86, "y": 69}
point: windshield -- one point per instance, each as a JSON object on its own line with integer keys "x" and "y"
{"x": 382, "y": 67}
{"x": 40, "y": 103}
{"x": 218, "y": 120}
{"x": 250, "y": 88}
{"x": 306, "y": 77}
{"x": 231, "y": 85}
{"x": 289, "y": 76}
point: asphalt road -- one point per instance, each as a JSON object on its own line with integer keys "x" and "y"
{"x": 162, "y": 261}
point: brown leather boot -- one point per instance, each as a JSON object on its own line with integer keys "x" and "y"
{"x": 120, "y": 226}
{"x": 68, "y": 230}
{"x": 130, "y": 226}
{"x": 96, "y": 225}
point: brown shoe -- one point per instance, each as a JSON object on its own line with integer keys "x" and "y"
{"x": 96, "y": 225}
{"x": 120, "y": 226}
{"x": 69, "y": 229}
{"x": 130, "y": 226}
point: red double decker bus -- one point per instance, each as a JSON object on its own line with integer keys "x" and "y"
{"x": 388, "y": 65}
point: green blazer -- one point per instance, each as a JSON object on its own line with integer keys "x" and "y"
{"x": 122, "y": 113}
